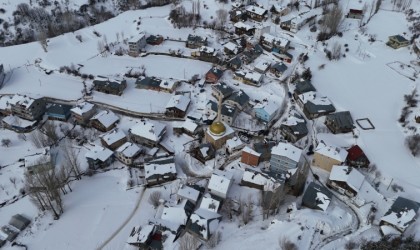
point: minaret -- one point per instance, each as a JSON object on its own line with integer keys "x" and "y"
{"x": 219, "y": 109}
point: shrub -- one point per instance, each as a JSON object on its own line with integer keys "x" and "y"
{"x": 413, "y": 143}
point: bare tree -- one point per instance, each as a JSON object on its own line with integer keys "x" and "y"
{"x": 413, "y": 143}
{"x": 6, "y": 142}
{"x": 336, "y": 51}
{"x": 332, "y": 20}
{"x": 247, "y": 211}
{"x": 222, "y": 16}
{"x": 214, "y": 240}
{"x": 71, "y": 160}
{"x": 154, "y": 198}
{"x": 286, "y": 244}
{"x": 42, "y": 39}
{"x": 49, "y": 129}
{"x": 188, "y": 242}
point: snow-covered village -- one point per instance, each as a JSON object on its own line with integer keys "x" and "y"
{"x": 209, "y": 124}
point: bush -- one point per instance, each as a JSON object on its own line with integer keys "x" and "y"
{"x": 286, "y": 244}
{"x": 413, "y": 143}
{"x": 154, "y": 198}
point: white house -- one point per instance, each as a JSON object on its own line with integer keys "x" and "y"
{"x": 220, "y": 183}
{"x": 346, "y": 180}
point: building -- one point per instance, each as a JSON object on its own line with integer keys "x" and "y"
{"x": 203, "y": 223}
{"x": 238, "y": 99}
{"x": 275, "y": 44}
{"x": 154, "y": 40}
{"x": 29, "y": 108}
{"x": 234, "y": 145}
{"x": 264, "y": 148}
{"x": 228, "y": 113}
{"x": 136, "y": 44}
{"x": 18, "y": 124}
{"x": 188, "y": 193}
{"x": 327, "y": 156}
{"x": 356, "y": 157}
{"x": 206, "y": 54}
{"x": 6, "y": 102}
{"x": 221, "y": 90}
{"x": 301, "y": 87}
{"x": 188, "y": 127}
{"x": 355, "y": 11}
{"x": 250, "y": 156}
{"x": 266, "y": 111}
{"x": 83, "y": 112}
{"x": 213, "y": 75}
{"x": 397, "y": 42}
{"x": 253, "y": 78}
{"x": 262, "y": 66}
{"x": 156, "y": 84}
{"x": 19, "y": 222}
{"x": 339, "y": 122}
{"x": 242, "y": 28}
{"x": 258, "y": 180}
{"x": 147, "y": 132}
{"x": 99, "y": 157}
{"x": 104, "y": 121}
{"x": 146, "y": 237}
{"x": 256, "y": 13}
{"x": 8, "y": 233}
{"x": 294, "y": 128}
{"x": 283, "y": 56}
{"x": 177, "y": 106}
{"x": 218, "y": 133}
{"x": 316, "y": 197}
{"x": 232, "y": 48}
{"x": 127, "y": 153}
{"x": 315, "y": 106}
{"x": 220, "y": 183}
{"x": 399, "y": 217}
{"x": 417, "y": 117}
{"x": 285, "y": 157}
{"x": 278, "y": 69}
{"x": 113, "y": 139}
{"x": 2, "y": 75}
{"x": 160, "y": 171}
{"x": 204, "y": 152}
{"x": 345, "y": 180}
{"x": 107, "y": 86}
{"x": 210, "y": 203}
{"x": 59, "y": 112}
{"x": 39, "y": 161}
{"x": 195, "y": 42}
{"x": 235, "y": 63}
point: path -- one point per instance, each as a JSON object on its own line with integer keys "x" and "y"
{"x": 110, "y": 238}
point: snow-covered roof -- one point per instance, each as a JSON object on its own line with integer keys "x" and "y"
{"x": 113, "y": 136}
{"x": 287, "y": 150}
{"x": 180, "y": 102}
{"x": 234, "y": 143}
{"x": 277, "y": 41}
{"x": 41, "y": 156}
{"x": 232, "y": 47}
{"x": 208, "y": 50}
{"x": 151, "y": 130}
{"x": 189, "y": 125}
{"x": 401, "y": 214}
{"x": 316, "y": 197}
{"x": 262, "y": 65}
{"x": 82, "y": 108}
{"x": 220, "y": 181}
{"x": 106, "y": 118}
{"x": 175, "y": 215}
{"x": 205, "y": 221}
{"x": 128, "y": 149}
{"x": 7, "y": 100}
{"x": 293, "y": 120}
{"x": 349, "y": 175}
{"x": 136, "y": 38}
{"x": 97, "y": 152}
{"x": 24, "y": 100}
{"x": 256, "y": 10}
{"x": 168, "y": 84}
{"x": 268, "y": 106}
{"x": 140, "y": 234}
{"x": 268, "y": 183}
{"x": 333, "y": 152}
{"x": 242, "y": 25}
{"x": 189, "y": 193}
{"x": 15, "y": 121}
{"x": 159, "y": 169}
{"x": 253, "y": 76}
{"x": 251, "y": 151}
{"x": 314, "y": 98}
{"x": 209, "y": 203}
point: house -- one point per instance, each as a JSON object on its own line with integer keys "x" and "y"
{"x": 83, "y": 112}
{"x": 221, "y": 90}
{"x": 136, "y": 44}
{"x": 238, "y": 99}
{"x": 284, "y": 56}
{"x": 156, "y": 84}
{"x": 210, "y": 203}
{"x": 146, "y": 237}
{"x": 99, "y": 157}
{"x": 203, "y": 223}
{"x": 301, "y": 87}
{"x": 235, "y": 63}
{"x": 147, "y": 132}
{"x": 397, "y": 42}
{"x": 264, "y": 148}
{"x": 175, "y": 218}
{"x": 242, "y": 28}
{"x": 237, "y": 15}
{"x": 233, "y": 145}
{"x": 39, "y": 161}
{"x": 256, "y": 13}
{"x": 273, "y": 43}
{"x": 355, "y": 9}
{"x": 316, "y": 197}
{"x": 177, "y": 106}
{"x": 160, "y": 171}
{"x": 218, "y": 133}
{"x": 266, "y": 111}
{"x": 29, "y": 108}
{"x": 227, "y": 115}
{"x": 258, "y": 180}
{"x": 253, "y": 78}
{"x": 356, "y": 157}
{"x": 262, "y": 66}
{"x": 220, "y": 183}
{"x": 206, "y": 54}
{"x": 6, "y": 102}
{"x": 113, "y": 139}
{"x": 250, "y": 55}
{"x": 8, "y": 233}
{"x": 400, "y": 216}
{"x": 314, "y": 105}
{"x": 19, "y": 222}
{"x": 204, "y": 152}
{"x": 188, "y": 193}
{"x": 211, "y": 110}
{"x": 278, "y": 69}
{"x": 107, "y": 86}
{"x": 279, "y": 10}
{"x": 326, "y": 156}
{"x": 250, "y": 156}
{"x": 345, "y": 180}
{"x": 59, "y": 112}
{"x": 127, "y": 153}
{"x": 417, "y": 117}
{"x": 213, "y": 75}
{"x": 18, "y": 124}
{"x": 154, "y": 40}
{"x": 294, "y": 128}
{"x": 339, "y": 122}
{"x": 104, "y": 120}
{"x": 232, "y": 48}
{"x": 188, "y": 127}
{"x": 195, "y": 42}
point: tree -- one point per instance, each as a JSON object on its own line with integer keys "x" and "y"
{"x": 71, "y": 160}
{"x": 42, "y": 39}
{"x": 188, "y": 242}
{"x": 6, "y": 142}
{"x": 154, "y": 198}
{"x": 222, "y": 16}
{"x": 336, "y": 51}
{"x": 307, "y": 74}
{"x": 286, "y": 244}
{"x": 49, "y": 130}
{"x": 413, "y": 143}
{"x": 332, "y": 20}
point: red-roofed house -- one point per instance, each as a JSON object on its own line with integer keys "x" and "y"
{"x": 356, "y": 157}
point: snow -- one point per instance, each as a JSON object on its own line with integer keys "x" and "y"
{"x": 232, "y": 47}
{"x": 255, "y": 9}
{"x": 324, "y": 201}
{"x": 141, "y": 234}
{"x": 189, "y": 193}
{"x": 82, "y": 108}
{"x": 40, "y": 156}
{"x": 250, "y": 151}
{"x": 228, "y": 132}
{"x": 190, "y": 125}
{"x": 332, "y": 152}
{"x": 234, "y": 143}
{"x": 175, "y": 215}
{"x": 98, "y": 152}
{"x": 349, "y": 175}
{"x": 106, "y": 118}
{"x": 400, "y": 220}
{"x": 151, "y": 130}
{"x": 179, "y": 101}
{"x": 159, "y": 169}
{"x": 12, "y": 120}
{"x": 268, "y": 183}
{"x": 314, "y": 98}
{"x": 209, "y": 203}
{"x": 128, "y": 149}
{"x": 269, "y": 106}
{"x": 287, "y": 150}
{"x": 113, "y": 136}
{"x": 220, "y": 183}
